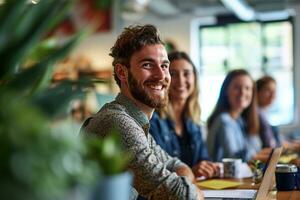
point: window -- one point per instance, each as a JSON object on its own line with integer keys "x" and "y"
{"x": 259, "y": 47}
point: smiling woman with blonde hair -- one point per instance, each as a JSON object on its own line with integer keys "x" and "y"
{"x": 176, "y": 128}
{"x": 191, "y": 107}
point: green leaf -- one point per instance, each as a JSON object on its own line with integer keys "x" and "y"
{"x": 26, "y": 34}
{"x": 10, "y": 13}
{"x": 39, "y": 76}
{"x": 109, "y": 153}
{"x": 103, "y": 4}
{"x": 42, "y": 50}
{"x": 54, "y": 100}
{"x": 36, "y": 163}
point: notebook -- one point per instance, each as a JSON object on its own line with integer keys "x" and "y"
{"x": 230, "y": 194}
{"x": 260, "y": 194}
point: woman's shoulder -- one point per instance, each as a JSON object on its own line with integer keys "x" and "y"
{"x": 159, "y": 125}
{"x": 222, "y": 118}
{"x": 193, "y": 125}
{"x": 156, "y": 118}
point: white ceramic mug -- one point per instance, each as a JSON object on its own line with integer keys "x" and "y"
{"x": 231, "y": 167}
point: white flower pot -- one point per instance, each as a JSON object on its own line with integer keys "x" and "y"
{"x": 116, "y": 187}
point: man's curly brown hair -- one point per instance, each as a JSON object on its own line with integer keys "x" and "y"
{"x": 132, "y": 39}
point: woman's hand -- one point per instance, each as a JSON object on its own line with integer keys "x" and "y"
{"x": 292, "y": 145}
{"x": 206, "y": 168}
{"x": 263, "y": 155}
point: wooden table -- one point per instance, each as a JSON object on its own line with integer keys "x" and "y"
{"x": 272, "y": 195}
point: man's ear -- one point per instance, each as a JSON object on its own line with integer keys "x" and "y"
{"x": 122, "y": 72}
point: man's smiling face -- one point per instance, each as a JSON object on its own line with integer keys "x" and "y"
{"x": 149, "y": 77}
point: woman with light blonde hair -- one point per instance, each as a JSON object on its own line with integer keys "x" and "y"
{"x": 176, "y": 128}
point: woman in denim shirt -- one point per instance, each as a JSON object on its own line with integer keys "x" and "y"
{"x": 233, "y": 125}
{"x": 176, "y": 128}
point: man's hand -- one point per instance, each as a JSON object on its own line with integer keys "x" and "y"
{"x": 206, "y": 168}
{"x": 185, "y": 171}
{"x": 200, "y": 194}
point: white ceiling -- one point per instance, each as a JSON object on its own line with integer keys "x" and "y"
{"x": 167, "y": 8}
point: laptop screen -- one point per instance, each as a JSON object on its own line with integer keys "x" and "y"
{"x": 267, "y": 163}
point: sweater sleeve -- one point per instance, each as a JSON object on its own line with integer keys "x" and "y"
{"x": 153, "y": 169}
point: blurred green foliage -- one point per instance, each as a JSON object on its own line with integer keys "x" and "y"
{"x": 103, "y": 4}
{"x": 35, "y": 162}
{"x": 109, "y": 153}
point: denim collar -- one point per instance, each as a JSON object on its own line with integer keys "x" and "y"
{"x": 188, "y": 123}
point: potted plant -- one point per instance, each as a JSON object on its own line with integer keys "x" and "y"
{"x": 112, "y": 159}
{"x": 35, "y": 162}
{"x": 257, "y": 169}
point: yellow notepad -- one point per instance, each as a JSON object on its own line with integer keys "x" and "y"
{"x": 287, "y": 158}
{"x": 218, "y": 184}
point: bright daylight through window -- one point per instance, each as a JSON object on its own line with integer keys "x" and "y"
{"x": 261, "y": 48}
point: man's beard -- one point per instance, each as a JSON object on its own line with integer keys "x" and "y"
{"x": 141, "y": 95}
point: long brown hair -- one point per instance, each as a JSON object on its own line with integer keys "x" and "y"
{"x": 192, "y": 108}
{"x": 263, "y": 81}
{"x": 250, "y": 114}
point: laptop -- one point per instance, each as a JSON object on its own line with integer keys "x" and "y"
{"x": 250, "y": 194}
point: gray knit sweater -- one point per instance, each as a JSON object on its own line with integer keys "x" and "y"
{"x": 153, "y": 168}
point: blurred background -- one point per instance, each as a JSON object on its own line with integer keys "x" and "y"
{"x": 261, "y": 36}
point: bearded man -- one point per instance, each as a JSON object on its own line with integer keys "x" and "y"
{"x": 141, "y": 70}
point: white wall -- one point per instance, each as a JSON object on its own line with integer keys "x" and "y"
{"x": 96, "y": 47}
{"x": 176, "y": 29}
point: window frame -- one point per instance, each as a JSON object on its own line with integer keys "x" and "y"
{"x": 223, "y": 20}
